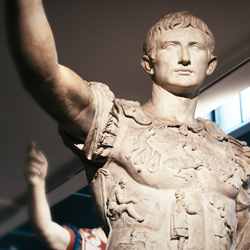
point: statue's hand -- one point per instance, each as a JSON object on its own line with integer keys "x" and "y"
{"x": 36, "y": 165}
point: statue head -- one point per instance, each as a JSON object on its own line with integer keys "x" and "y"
{"x": 178, "y": 53}
{"x": 171, "y": 21}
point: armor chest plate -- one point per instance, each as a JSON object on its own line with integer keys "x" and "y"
{"x": 165, "y": 183}
{"x": 165, "y": 157}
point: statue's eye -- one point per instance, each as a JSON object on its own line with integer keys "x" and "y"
{"x": 195, "y": 47}
{"x": 168, "y": 46}
{"x": 171, "y": 46}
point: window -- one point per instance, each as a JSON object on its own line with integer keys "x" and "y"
{"x": 233, "y": 113}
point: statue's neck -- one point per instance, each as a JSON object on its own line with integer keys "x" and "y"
{"x": 164, "y": 105}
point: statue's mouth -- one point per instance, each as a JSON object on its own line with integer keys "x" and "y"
{"x": 184, "y": 71}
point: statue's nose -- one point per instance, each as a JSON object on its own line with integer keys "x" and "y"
{"x": 184, "y": 57}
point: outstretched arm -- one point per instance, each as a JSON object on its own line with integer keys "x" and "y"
{"x": 57, "y": 89}
{"x": 51, "y": 234}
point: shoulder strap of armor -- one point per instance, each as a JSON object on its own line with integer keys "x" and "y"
{"x": 133, "y": 110}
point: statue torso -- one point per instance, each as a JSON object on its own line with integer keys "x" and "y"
{"x": 156, "y": 183}
{"x": 157, "y": 160}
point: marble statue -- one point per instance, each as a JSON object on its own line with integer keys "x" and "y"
{"x": 159, "y": 178}
{"x": 51, "y": 234}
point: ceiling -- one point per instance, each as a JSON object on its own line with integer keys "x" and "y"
{"x": 101, "y": 41}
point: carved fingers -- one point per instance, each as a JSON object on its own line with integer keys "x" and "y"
{"x": 35, "y": 168}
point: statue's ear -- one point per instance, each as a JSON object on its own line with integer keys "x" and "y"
{"x": 147, "y": 65}
{"x": 212, "y": 65}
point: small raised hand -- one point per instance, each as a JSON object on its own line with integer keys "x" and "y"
{"x": 36, "y": 165}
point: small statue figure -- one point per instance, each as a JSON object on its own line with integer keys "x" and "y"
{"x": 51, "y": 234}
{"x": 180, "y": 218}
{"x": 223, "y": 229}
{"x": 118, "y": 203}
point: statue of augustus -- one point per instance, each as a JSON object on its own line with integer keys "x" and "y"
{"x": 159, "y": 178}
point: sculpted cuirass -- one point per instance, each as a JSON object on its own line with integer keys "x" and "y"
{"x": 154, "y": 183}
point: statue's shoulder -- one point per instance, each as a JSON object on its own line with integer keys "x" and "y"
{"x": 242, "y": 155}
{"x": 99, "y": 87}
{"x": 131, "y": 109}
{"x": 134, "y": 111}
{"x": 212, "y": 129}
{"x": 239, "y": 148}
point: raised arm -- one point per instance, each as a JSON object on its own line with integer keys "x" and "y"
{"x": 57, "y": 89}
{"x": 51, "y": 234}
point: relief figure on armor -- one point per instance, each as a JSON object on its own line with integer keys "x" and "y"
{"x": 118, "y": 203}
{"x": 179, "y": 218}
{"x": 143, "y": 153}
{"x": 223, "y": 230}
{"x": 142, "y": 149}
{"x": 139, "y": 240}
{"x": 104, "y": 133}
{"x": 184, "y": 160}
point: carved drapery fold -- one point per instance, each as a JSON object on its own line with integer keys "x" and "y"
{"x": 101, "y": 137}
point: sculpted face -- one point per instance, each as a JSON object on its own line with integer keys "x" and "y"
{"x": 181, "y": 60}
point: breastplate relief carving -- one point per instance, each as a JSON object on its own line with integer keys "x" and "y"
{"x": 143, "y": 152}
{"x": 118, "y": 204}
{"x": 160, "y": 161}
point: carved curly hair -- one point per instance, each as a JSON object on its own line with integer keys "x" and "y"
{"x": 177, "y": 19}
